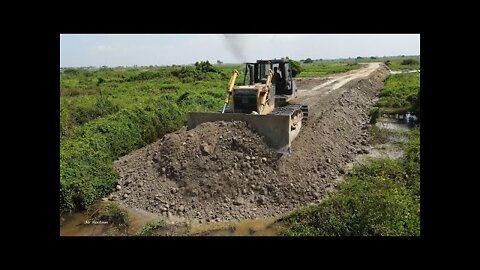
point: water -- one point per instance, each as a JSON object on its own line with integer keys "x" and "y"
{"x": 82, "y": 224}
{"x": 404, "y": 71}
{"x": 254, "y": 227}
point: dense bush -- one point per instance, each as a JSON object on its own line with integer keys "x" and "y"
{"x": 296, "y": 67}
{"x": 409, "y": 62}
{"x": 373, "y": 206}
{"x": 399, "y": 90}
{"x": 86, "y": 170}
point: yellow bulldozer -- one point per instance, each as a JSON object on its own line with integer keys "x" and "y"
{"x": 264, "y": 101}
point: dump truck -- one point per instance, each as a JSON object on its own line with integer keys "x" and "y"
{"x": 265, "y": 101}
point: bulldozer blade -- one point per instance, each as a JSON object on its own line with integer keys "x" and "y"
{"x": 278, "y": 130}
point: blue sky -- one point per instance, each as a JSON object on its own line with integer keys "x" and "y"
{"x": 78, "y": 50}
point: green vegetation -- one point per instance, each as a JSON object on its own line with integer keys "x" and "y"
{"x": 409, "y": 62}
{"x": 113, "y": 213}
{"x": 324, "y": 68}
{"x": 152, "y": 228}
{"x": 395, "y": 63}
{"x": 127, "y": 109}
{"x": 374, "y": 115}
{"x": 297, "y": 68}
{"x": 400, "y": 93}
{"x": 378, "y": 135}
{"x": 320, "y": 67}
{"x": 381, "y": 198}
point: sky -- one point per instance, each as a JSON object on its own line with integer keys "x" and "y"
{"x": 81, "y": 50}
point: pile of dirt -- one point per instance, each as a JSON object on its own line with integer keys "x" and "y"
{"x": 224, "y": 171}
{"x": 217, "y": 171}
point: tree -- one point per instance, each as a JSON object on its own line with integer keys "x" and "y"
{"x": 296, "y": 68}
{"x": 204, "y": 67}
{"x": 407, "y": 62}
{"x": 308, "y": 60}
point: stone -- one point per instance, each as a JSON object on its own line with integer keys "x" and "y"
{"x": 206, "y": 149}
{"x": 239, "y": 201}
{"x": 118, "y": 187}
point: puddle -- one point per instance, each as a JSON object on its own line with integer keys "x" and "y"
{"x": 255, "y": 227}
{"x": 400, "y": 124}
{"x": 82, "y": 224}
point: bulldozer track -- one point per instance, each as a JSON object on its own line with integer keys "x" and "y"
{"x": 291, "y": 109}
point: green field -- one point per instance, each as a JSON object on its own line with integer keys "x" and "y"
{"x": 319, "y": 69}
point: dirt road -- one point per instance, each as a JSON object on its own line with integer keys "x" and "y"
{"x": 221, "y": 171}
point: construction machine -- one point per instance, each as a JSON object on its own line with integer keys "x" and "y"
{"x": 264, "y": 101}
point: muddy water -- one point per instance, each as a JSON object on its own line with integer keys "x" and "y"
{"x": 82, "y": 223}
{"x": 389, "y": 150}
{"x": 256, "y": 227}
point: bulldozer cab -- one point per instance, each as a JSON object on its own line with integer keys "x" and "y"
{"x": 256, "y": 73}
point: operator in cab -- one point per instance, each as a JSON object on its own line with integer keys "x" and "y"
{"x": 276, "y": 75}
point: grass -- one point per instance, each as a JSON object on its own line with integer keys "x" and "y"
{"x": 319, "y": 69}
{"x": 400, "y": 91}
{"x": 395, "y": 63}
{"x": 113, "y": 213}
{"x": 378, "y": 135}
{"x": 152, "y": 228}
{"x": 381, "y": 198}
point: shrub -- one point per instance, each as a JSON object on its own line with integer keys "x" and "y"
{"x": 100, "y": 81}
{"x": 374, "y": 115}
{"x": 113, "y": 213}
{"x": 296, "y": 68}
{"x": 373, "y": 207}
{"x": 204, "y": 67}
{"x": 409, "y": 62}
{"x": 151, "y": 228}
